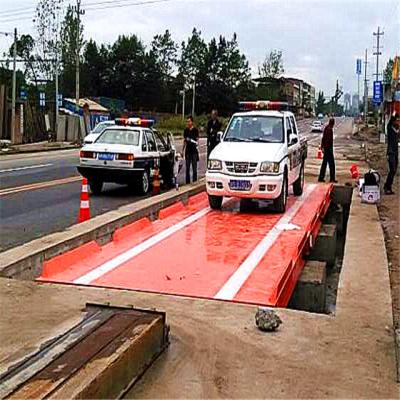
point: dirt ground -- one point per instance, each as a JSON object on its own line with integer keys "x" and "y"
{"x": 389, "y": 213}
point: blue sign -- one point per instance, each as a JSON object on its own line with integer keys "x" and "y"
{"x": 42, "y": 99}
{"x": 60, "y": 100}
{"x": 378, "y": 92}
{"x": 23, "y": 95}
{"x": 358, "y": 67}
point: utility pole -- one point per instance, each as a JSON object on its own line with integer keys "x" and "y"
{"x": 79, "y": 12}
{"x": 56, "y": 85}
{"x": 194, "y": 96}
{"x": 377, "y": 54}
{"x": 366, "y": 88}
{"x": 14, "y": 88}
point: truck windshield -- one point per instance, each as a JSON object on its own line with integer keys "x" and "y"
{"x": 117, "y": 136}
{"x": 252, "y": 128}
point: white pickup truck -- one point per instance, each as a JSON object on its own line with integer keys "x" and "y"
{"x": 259, "y": 156}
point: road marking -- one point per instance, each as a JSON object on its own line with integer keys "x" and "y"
{"x": 40, "y": 185}
{"x": 240, "y": 276}
{"x": 23, "y": 168}
{"x": 134, "y": 251}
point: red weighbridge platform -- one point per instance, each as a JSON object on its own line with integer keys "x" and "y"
{"x": 250, "y": 257}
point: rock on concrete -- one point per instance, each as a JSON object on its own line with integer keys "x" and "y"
{"x": 267, "y": 320}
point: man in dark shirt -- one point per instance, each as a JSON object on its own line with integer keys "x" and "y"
{"x": 190, "y": 149}
{"x": 327, "y": 149}
{"x": 213, "y": 127}
{"x": 392, "y": 151}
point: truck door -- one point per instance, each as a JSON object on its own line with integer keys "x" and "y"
{"x": 297, "y": 149}
{"x": 293, "y": 149}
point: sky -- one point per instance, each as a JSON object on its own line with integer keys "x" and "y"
{"x": 320, "y": 39}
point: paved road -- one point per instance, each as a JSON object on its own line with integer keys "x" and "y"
{"x": 39, "y": 193}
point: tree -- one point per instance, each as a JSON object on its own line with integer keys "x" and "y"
{"x": 48, "y": 18}
{"x": 272, "y": 67}
{"x": 72, "y": 42}
{"x": 320, "y": 106}
{"x": 25, "y": 51}
{"x": 164, "y": 50}
{"x": 192, "y": 57}
{"x": 127, "y": 61}
{"x": 387, "y": 73}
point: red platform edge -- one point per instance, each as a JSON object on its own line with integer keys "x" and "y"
{"x": 130, "y": 229}
{"x": 290, "y": 276}
{"x": 63, "y": 261}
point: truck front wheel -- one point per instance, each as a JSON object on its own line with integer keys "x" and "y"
{"x": 280, "y": 202}
{"x": 215, "y": 202}
{"x": 298, "y": 185}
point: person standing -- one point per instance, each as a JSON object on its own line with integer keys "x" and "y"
{"x": 190, "y": 149}
{"x": 393, "y": 130}
{"x": 327, "y": 149}
{"x": 213, "y": 127}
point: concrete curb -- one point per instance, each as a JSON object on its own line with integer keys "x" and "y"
{"x": 26, "y": 261}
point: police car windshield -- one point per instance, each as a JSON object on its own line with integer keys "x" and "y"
{"x": 119, "y": 136}
{"x": 255, "y": 129}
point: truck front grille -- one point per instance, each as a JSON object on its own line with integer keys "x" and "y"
{"x": 241, "y": 167}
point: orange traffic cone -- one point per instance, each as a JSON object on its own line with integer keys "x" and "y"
{"x": 319, "y": 153}
{"x": 84, "y": 210}
{"x": 156, "y": 181}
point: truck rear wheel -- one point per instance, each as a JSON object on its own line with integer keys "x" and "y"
{"x": 280, "y": 202}
{"x": 96, "y": 187}
{"x": 215, "y": 202}
{"x": 298, "y": 185}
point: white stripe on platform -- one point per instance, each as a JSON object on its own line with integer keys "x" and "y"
{"x": 84, "y": 189}
{"x": 84, "y": 203}
{"x": 240, "y": 276}
{"x": 140, "y": 248}
{"x": 24, "y": 168}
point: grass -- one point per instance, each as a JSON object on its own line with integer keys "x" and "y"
{"x": 176, "y": 126}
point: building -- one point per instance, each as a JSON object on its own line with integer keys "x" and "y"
{"x": 299, "y": 94}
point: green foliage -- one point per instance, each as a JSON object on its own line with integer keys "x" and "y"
{"x": 164, "y": 50}
{"x": 272, "y": 66}
{"x": 387, "y": 73}
{"x": 145, "y": 78}
{"x": 176, "y": 125}
{"x": 320, "y": 106}
{"x": 48, "y": 18}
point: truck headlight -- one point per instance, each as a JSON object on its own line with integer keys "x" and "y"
{"x": 269, "y": 167}
{"x": 215, "y": 165}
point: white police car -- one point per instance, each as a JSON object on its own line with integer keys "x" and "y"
{"x": 95, "y": 133}
{"x": 127, "y": 153}
{"x": 260, "y": 154}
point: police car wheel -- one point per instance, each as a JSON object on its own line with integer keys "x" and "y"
{"x": 96, "y": 187}
{"x": 298, "y": 185}
{"x": 280, "y": 202}
{"x": 144, "y": 183}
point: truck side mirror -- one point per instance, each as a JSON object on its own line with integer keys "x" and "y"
{"x": 219, "y": 136}
{"x": 293, "y": 139}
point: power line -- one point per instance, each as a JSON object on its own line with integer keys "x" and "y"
{"x": 13, "y": 16}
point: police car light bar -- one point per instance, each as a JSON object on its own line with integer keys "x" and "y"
{"x": 263, "y": 105}
{"x": 145, "y": 123}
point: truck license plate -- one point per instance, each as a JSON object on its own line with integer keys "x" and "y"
{"x": 106, "y": 156}
{"x": 239, "y": 185}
